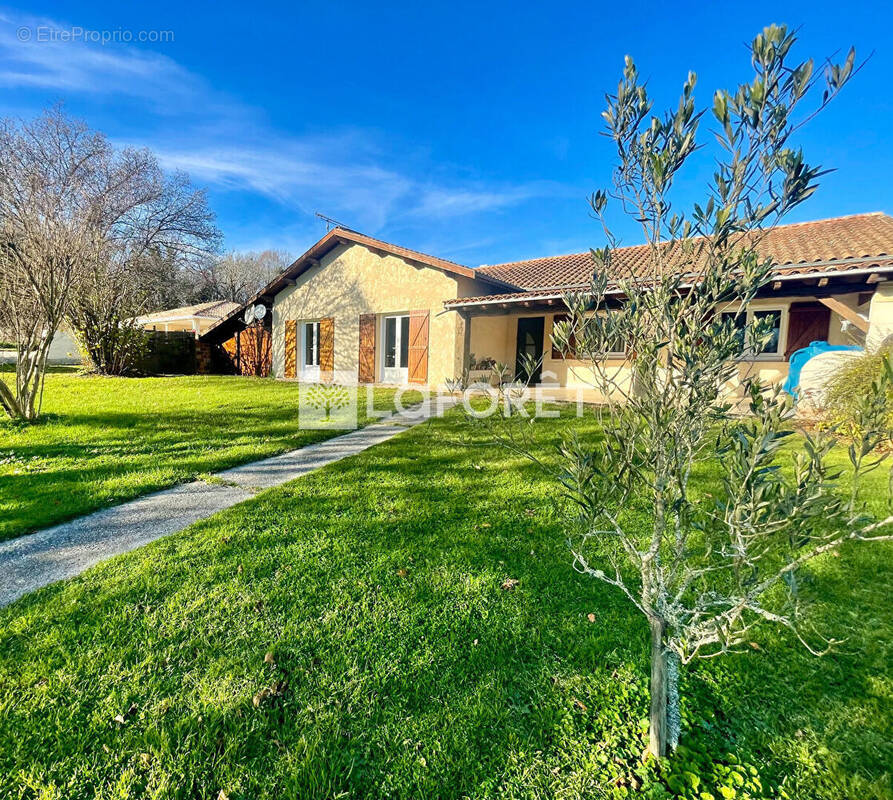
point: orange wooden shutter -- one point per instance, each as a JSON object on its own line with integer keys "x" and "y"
{"x": 327, "y": 348}
{"x": 291, "y": 348}
{"x": 418, "y": 346}
{"x": 366, "y": 362}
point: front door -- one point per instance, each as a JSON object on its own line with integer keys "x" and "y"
{"x": 530, "y": 343}
{"x": 395, "y": 358}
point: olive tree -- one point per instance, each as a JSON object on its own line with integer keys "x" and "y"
{"x": 703, "y": 569}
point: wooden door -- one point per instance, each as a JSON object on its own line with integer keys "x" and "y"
{"x": 807, "y": 322}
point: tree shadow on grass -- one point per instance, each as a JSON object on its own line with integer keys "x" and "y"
{"x": 389, "y": 693}
{"x": 400, "y": 667}
{"x": 57, "y": 477}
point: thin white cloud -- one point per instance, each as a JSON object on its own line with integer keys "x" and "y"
{"x": 368, "y": 195}
{"x": 348, "y": 174}
{"x": 33, "y": 57}
{"x": 440, "y": 202}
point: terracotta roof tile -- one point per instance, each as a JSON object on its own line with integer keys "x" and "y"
{"x": 858, "y": 241}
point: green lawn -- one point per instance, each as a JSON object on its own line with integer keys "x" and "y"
{"x": 400, "y": 668}
{"x": 105, "y": 440}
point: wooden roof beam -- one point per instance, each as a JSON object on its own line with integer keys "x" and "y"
{"x": 846, "y": 312}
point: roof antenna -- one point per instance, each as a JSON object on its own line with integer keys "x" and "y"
{"x": 332, "y": 223}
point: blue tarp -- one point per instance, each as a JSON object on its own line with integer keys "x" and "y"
{"x": 801, "y": 356}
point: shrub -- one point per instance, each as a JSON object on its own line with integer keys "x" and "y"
{"x": 850, "y": 386}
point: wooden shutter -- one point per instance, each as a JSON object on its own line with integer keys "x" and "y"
{"x": 291, "y": 348}
{"x": 366, "y": 361}
{"x": 327, "y": 348}
{"x": 807, "y": 322}
{"x": 418, "y": 346}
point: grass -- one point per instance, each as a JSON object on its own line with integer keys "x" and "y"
{"x": 106, "y": 440}
{"x": 399, "y": 667}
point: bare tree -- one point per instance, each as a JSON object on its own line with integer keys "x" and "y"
{"x": 167, "y": 224}
{"x": 53, "y": 179}
{"x": 703, "y": 570}
{"x": 237, "y": 276}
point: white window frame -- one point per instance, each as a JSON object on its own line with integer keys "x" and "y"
{"x": 309, "y": 372}
{"x": 398, "y": 375}
{"x": 614, "y": 355}
{"x": 782, "y": 309}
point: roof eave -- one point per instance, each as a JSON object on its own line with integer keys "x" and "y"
{"x": 531, "y": 296}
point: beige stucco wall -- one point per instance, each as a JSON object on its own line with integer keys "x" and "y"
{"x": 352, "y": 280}
{"x": 496, "y": 336}
{"x": 880, "y": 315}
{"x": 836, "y": 334}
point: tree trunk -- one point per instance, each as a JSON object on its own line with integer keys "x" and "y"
{"x": 664, "y": 717}
{"x": 657, "y": 727}
{"x": 9, "y": 401}
{"x": 674, "y": 716}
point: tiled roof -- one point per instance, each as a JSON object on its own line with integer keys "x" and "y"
{"x": 852, "y": 242}
{"x": 334, "y": 238}
{"x": 511, "y": 297}
{"x": 216, "y": 309}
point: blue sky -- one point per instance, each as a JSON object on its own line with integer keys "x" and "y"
{"x": 468, "y": 130}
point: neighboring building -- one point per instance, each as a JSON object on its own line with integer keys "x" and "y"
{"x": 384, "y": 314}
{"x": 198, "y": 318}
{"x": 63, "y": 349}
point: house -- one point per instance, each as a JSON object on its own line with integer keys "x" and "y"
{"x": 378, "y": 313}
{"x": 197, "y": 318}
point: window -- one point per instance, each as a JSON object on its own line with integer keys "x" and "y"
{"x": 395, "y": 353}
{"x": 571, "y": 351}
{"x": 396, "y": 339}
{"x": 743, "y": 320}
{"x": 774, "y": 320}
{"x": 404, "y": 341}
{"x": 311, "y": 344}
{"x": 390, "y": 339}
{"x": 614, "y": 347}
{"x": 739, "y": 320}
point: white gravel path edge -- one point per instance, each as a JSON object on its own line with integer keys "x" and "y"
{"x": 63, "y": 551}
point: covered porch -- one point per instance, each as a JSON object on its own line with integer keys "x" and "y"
{"x": 837, "y": 309}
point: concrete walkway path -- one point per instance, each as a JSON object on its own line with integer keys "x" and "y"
{"x": 65, "y": 550}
